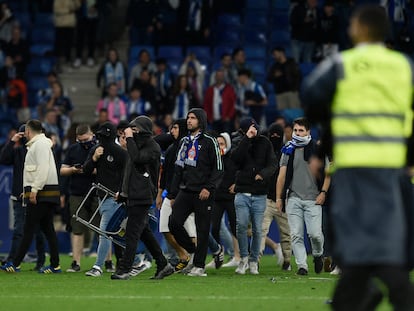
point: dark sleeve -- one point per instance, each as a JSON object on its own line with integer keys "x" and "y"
{"x": 99, "y": 75}
{"x": 217, "y": 171}
{"x": 90, "y": 164}
{"x": 319, "y": 88}
{"x": 271, "y": 162}
{"x": 168, "y": 164}
{"x": 140, "y": 156}
{"x": 239, "y": 154}
{"x": 7, "y": 153}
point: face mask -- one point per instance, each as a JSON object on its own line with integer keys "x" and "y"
{"x": 88, "y": 144}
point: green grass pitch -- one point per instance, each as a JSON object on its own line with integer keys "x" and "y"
{"x": 272, "y": 289}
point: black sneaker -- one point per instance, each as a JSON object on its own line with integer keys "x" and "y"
{"x": 109, "y": 266}
{"x": 302, "y": 271}
{"x": 119, "y": 275}
{"x": 74, "y": 267}
{"x": 318, "y": 264}
{"x": 219, "y": 258}
{"x": 164, "y": 272}
{"x": 286, "y": 266}
{"x": 181, "y": 264}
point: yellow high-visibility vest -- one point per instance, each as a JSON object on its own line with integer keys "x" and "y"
{"x": 372, "y": 108}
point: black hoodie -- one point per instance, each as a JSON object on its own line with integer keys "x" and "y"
{"x": 110, "y": 165}
{"x": 142, "y": 169}
{"x": 170, "y": 156}
{"x": 209, "y": 168}
{"x": 277, "y": 143}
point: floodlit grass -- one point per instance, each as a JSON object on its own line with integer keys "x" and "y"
{"x": 222, "y": 289}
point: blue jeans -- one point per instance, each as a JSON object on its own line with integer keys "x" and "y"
{"x": 226, "y": 238}
{"x": 300, "y": 212}
{"x": 249, "y": 208}
{"x": 302, "y": 51}
{"x": 107, "y": 210}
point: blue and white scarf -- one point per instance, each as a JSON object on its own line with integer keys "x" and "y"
{"x": 296, "y": 142}
{"x": 188, "y": 153}
{"x": 115, "y": 75}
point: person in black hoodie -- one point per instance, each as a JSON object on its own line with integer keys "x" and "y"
{"x": 178, "y": 131}
{"x": 13, "y": 153}
{"x": 139, "y": 190}
{"x": 283, "y": 250}
{"x": 108, "y": 158}
{"x": 198, "y": 172}
{"x": 256, "y": 163}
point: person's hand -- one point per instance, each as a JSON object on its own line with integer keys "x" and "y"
{"x": 251, "y": 132}
{"x": 16, "y": 137}
{"x": 97, "y": 154}
{"x": 231, "y": 188}
{"x": 204, "y": 194}
{"x": 128, "y": 132}
{"x": 258, "y": 177}
{"x": 33, "y": 198}
{"x": 320, "y": 199}
{"x": 158, "y": 201}
{"x": 76, "y": 170}
{"x": 279, "y": 205}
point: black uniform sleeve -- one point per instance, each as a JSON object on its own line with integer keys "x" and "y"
{"x": 89, "y": 164}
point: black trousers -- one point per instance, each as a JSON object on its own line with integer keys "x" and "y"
{"x": 138, "y": 229}
{"x": 63, "y": 41}
{"x": 86, "y": 33}
{"x": 40, "y": 215}
{"x": 217, "y": 214}
{"x": 355, "y": 282}
{"x": 186, "y": 203}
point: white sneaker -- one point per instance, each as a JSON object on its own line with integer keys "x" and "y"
{"x": 195, "y": 271}
{"x": 254, "y": 267}
{"x": 90, "y": 62}
{"x": 77, "y": 63}
{"x": 232, "y": 263}
{"x": 279, "y": 256}
{"x": 95, "y": 272}
{"x": 243, "y": 265}
{"x": 335, "y": 271}
{"x": 211, "y": 265}
{"x": 144, "y": 265}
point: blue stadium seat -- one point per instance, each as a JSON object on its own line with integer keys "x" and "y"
{"x": 230, "y": 20}
{"x": 40, "y": 65}
{"x": 41, "y": 49}
{"x": 281, "y": 5}
{"x": 174, "y": 66}
{"x": 171, "y": 52}
{"x": 258, "y": 67}
{"x": 252, "y": 36}
{"x": 280, "y": 21}
{"x": 228, "y": 36}
{"x": 257, "y": 4}
{"x": 255, "y": 52}
{"x": 202, "y": 53}
{"x": 306, "y": 68}
{"x": 36, "y": 83}
{"x": 255, "y": 20}
{"x": 41, "y": 35}
{"x": 44, "y": 20}
{"x": 280, "y": 37}
{"x": 292, "y": 114}
{"x": 271, "y": 111}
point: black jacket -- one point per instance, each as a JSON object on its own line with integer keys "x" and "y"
{"x": 254, "y": 156}
{"x": 142, "y": 169}
{"x": 206, "y": 174}
{"x": 109, "y": 167}
{"x": 229, "y": 177}
{"x": 11, "y": 155}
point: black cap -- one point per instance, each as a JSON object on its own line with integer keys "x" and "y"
{"x": 123, "y": 124}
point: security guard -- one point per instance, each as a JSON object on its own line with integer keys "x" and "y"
{"x": 363, "y": 97}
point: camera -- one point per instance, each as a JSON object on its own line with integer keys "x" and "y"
{"x": 78, "y": 166}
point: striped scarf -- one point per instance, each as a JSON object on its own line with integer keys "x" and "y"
{"x": 188, "y": 153}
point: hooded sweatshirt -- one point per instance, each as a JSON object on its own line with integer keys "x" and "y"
{"x": 275, "y": 135}
{"x": 206, "y": 169}
{"x": 111, "y": 164}
{"x": 142, "y": 168}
